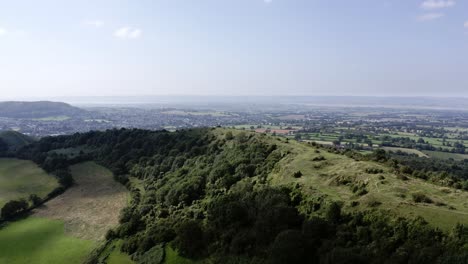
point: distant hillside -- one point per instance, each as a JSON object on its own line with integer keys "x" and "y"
{"x": 15, "y": 140}
{"x": 41, "y": 109}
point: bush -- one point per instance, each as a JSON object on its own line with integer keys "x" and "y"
{"x": 229, "y": 135}
{"x": 402, "y": 177}
{"x": 334, "y": 212}
{"x": 374, "y": 171}
{"x": 373, "y": 203}
{"x": 13, "y": 208}
{"x": 421, "y": 198}
{"x": 319, "y": 158}
{"x": 297, "y": 174}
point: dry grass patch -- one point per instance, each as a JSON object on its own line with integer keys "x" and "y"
{"x": 92, "y": 206}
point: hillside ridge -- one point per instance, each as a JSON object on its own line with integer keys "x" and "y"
{"x": 37, "y": 109}
{"x": 225, "y": 195}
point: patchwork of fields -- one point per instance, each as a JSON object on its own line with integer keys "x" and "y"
{"x": 67, "y": 228}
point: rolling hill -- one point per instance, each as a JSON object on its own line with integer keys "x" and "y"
{"x": 221, "y": 195}
{"x": 15, "y": 140}
{"x": 40, "y": 109}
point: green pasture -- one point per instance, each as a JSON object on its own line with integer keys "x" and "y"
{"x": 21, "y": 178}
{"x": 41, "y": 241}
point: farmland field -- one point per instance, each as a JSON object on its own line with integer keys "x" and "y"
{"x": 21, "y": 178}
{"x": 91, "y": 206}
{"x": 41, "y": 241}
{"x": 67, "y": 228}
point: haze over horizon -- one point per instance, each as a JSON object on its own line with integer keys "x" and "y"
{"x": 51, "y": 49}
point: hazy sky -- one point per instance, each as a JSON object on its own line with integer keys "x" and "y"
{"x": 233, "y": 47}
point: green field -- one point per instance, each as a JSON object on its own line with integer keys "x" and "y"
{"x": 20, "y": 178}
{"x": 66, "y": 229}
{"x": 41, "y": 241}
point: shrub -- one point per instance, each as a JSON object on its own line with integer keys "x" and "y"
{"x": 229, "y": 135}
{"x": 374, "y": 171}
{"x": 421, "y": 198}
{"x": 12, "y": 208}
{"x": 402, "y": 177}
{"x": 35, "y": 200}
{"x": 373, "y": 203}
{"x": 297, "y": 174}
{"x": 334, "y": 212}
{"x": 362, "y": 191}
{"x": 319, "y": 158}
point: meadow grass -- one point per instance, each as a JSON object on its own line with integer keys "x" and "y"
{"x": 40, "y": 241}
{"x": 21, "y": 178}
{"x": 334, "y": 176}
{"x": 118, "y": 257}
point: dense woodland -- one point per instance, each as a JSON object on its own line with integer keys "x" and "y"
{"x": 205, "y": 192}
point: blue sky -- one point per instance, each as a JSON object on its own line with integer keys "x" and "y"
{"x": 233, "y": 47}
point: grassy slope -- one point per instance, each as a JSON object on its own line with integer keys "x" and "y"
{"x": 40, "y": 241}
{"x": 20, "y": 178}
{"x": 394, "y": 194}
{"x": 68, "y": 227}
{"x": 90, "y": 207}
{"x": 117, "y": 257}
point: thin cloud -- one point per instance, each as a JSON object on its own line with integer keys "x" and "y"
{"x": 128, "y": 33}
{"x": 267, "y": 1}
{"x": 437, "y": 4}
{"x": 430, "y": 16}
{"x": 94, "y": 23}
{"x": 466, "y": 24}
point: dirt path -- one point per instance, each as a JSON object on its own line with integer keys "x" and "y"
{"x": 92, "y": 206}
